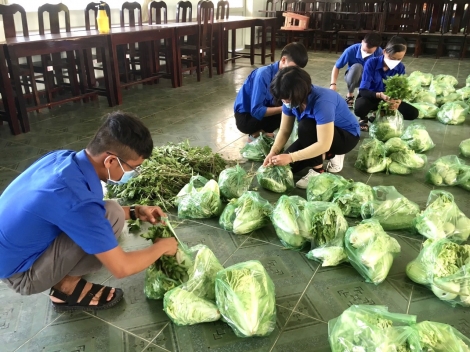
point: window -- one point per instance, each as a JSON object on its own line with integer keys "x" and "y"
{"x": 32, "y": 6}
{"x": 235, "y": 3}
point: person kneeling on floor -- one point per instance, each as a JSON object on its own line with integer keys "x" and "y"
{"x": 326, "y": 126}
{"x": 371, "y": 90}
{"x": 255, "y": 110}
{"x": 55, "y": 226}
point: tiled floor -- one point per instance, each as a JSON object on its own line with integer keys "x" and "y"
{"x": 307, "y": 295}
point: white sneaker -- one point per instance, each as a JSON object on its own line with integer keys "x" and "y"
{"x": 303, "y": 182}
{"x": 336, "y": 164}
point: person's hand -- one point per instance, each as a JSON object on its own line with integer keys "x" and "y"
{"x": 384, "y": 97}
{"x": 281, "y": 160}
{"x": 333, "y": 87}
{"x": 150, "y": 214}
{"x": 267, "y": 160}
{"x": 394, "y": 104}
{"x": 168, "y": 245}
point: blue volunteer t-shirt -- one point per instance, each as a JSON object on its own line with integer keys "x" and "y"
{"x": 374, "y": 74}
{"x": 254, "y": 96}
{"x": 352, "y": 55}
{"x": 325, "y": 106}
{"x": 61, "y": 192}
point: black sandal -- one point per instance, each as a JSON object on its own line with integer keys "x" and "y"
{"x": 364, "y": 126}
{"x": 71, "y": 301}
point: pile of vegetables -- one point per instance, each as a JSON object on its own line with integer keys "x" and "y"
{"x": 371, "y": 250}
{"x": 426, "y": 97}
{"x": 246, "y": 214}
{"x": 324, "y": 186}
{"x": 405, "y": 161}
{"x": 351, "y": 197}
{"x": 417, "y": 138}
{"x": 258, "y": 149}
{"x": 444, "y": 267}
{"x": 465, "y": 148}
{"x": 199, "y": 202}
{"x": 391, "y": 209}
{"x": 234, "y": 181}
{"x": 442, "y": 218}
{"x": 278, "y": 179}
{"x": 426, "y": 110}
{"x": 453, "y": 113}
{"x": 371, "y": 157}
{"x": 448, "y": 170}
{"x": 167, "y": 170}
{"x": 246, "y": 299}
{"x": 289, "y": 220}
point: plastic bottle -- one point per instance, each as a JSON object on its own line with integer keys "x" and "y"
{"x": 102, "y": 19}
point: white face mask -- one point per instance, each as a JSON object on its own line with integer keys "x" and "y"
{"x": 391, "y": 63}
{"x": 365, "y": 54}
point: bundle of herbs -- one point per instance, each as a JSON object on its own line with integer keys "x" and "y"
{"x": 164, "y": 174}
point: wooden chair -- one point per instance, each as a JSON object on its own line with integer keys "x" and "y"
{"x": 184, "y": 11}
{"x": 325, "y": 28}
{"x": 202, "y": 52}
{"x": 129, "y": 57}
{"x": 454, "y": 29}
{"x": 158, "y": 14}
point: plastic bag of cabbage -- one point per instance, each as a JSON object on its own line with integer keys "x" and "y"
{"x": 391, "y": 209}
{"x": 351, "y": 197}
{"x": 328, "y": 229}
{"x": 246, "y": 214}
{"x": 385, "y": 127}
{"x": 291, "y": 221}
{"x": 443, "y": 266}
{"x": 394, "y": 145}
{"x": 448, "y": 170}
{"x": 424, "y": 79}
{"x": 425, "y": 96}
{"x": 234, "y": 181}
{"x": 446, "y": 79}
{"x": 464, "y": 93}
{"x": 404, "y": 162}
{"x": 465, "y": 148}
{"x": 258, "y": 149}
{"x": 370, "y": 250}
{"x": 426, "y": 110}
{"x": 324, "y": 186}
{"x": 278, "y": 179}
{"x": 443, "y": 99}
{"x": 442, "y": 218}
{"x": 453, "y": 113}
{"x": 417, "y": 138}
{"x": 371, "y": 157}
{"x": 439, "y": 337}
{"x": 199, "y": 203}
{"x": 362, "y": 328}
{"x": 246, "y": 299}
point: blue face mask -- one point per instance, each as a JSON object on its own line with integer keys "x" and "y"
{"x": 289, "y": 106}
{"x": 125, "y": 177}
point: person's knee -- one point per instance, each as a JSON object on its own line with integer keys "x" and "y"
{"x": 116, "y": 216}
{"x": 412, "y": 114}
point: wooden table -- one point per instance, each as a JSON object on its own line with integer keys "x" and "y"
{"x": 264, "y": 23}
{"x": 9, "y": 114}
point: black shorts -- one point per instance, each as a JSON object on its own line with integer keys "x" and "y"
{"x": 250, "y": 125}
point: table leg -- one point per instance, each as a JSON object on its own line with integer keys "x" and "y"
{"x": 173, "y": 56}
{"x": 110, "y": 83}
{"x": 234, "y": 44}
{"x": 252, "y": 45}
{"x": 273, "y": 41}
{"x": 263, "y": 44}
{"x": 7, "y": 96}
{"x": 117, "y": 79}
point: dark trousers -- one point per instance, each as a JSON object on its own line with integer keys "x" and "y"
{"x": 363, "y": 106}
{"x": 249, "y": 124}
{"x": 343, "y": 142}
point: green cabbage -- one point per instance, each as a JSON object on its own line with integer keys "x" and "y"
{"x": 258, "y": 149}
{"x": 465, "y": 148}
{"x": 201, "y": 203}
{"x": 324, "y": 186}
{"x": 328, "y": 256}
{"x": 246, "y": 299}
{"x": 371, "y": 157}
{"x": 448, "y": 170}
{"x": 351, "y": 197}
{"x": 467, "y": 81}
{"x": 441, "y": 89}
{"x": 425, "y": 97}
{"x": 385, "y": 127}
{"x": 424, "y": 78}
{"x": 426, "y": 110}
{"x": 438, "y": 337}
{"x": 398, "y": 169}
{"x": 285, "y": 218}
{"x": 464, "y": 93}
{"x": 278, "y": 179}
{"x": 417, "y": 138}
{"x": 409, "y": 159}
{"x": 394, "y": 145}
{"x": 442, "y": 99}
{"x": 453, "y": 113}
{"x": 370, "y": 250}
{"x": 446, "y": 79}
{"x": 234, "y": 181}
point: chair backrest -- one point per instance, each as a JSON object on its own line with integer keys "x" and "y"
{"x": 7, "y": 12}
{"x": 290, "y": 5}
{"x": 205, "y": 20}
{"x": 308, "y": 5}
{"x": 184, "y": 9}
{"x": 455, "y": 17}
{"x": 223, "y": 9}
{"x": 93, "y": 6}
{"x": 54, "y": 11}
{"x": 131, "y": 7}
{"x": 160, "y": 12}
{"x": 403, "y": 16}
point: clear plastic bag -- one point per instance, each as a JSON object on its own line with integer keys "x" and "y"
{"x": 426, "y": 110}
{"x": 201, "y": 203}
{"x": 442, "y": 218}
{"x": 465, "y": 148}
{"x": 425, "y": 96}
{"x": 424, "y": 78}
{"x": 246, "y": 214}
{"x": 394, "y": 145}
{"x": 439, "y": 337}
{"x": 453, "y": 113}
{"x": 234, "y": 181}
{"x": 443, "y": 267}
{"x": 371, "y": 157}
{"x": 246, "y": 299}
{"x": 391, "y": 209}
{"x": 446, "y": 79}
{"x": 195, "y": 183}
{"x": 417, "y": 138}
{"x": 442, "y": 99}
{"x": 409, "y": 159}
{"x": 286, "y": 218}
{"x": 258, "y": 149}
{"x": 370, "y": 250}
{"x": 324, "y": 186}
{"x": 448, "y": 170}
{"x": 385, "y": 127}
{"x": 278, "y": 179}
{"x": 351, "y": 197}
{"x": 464, "y": 93}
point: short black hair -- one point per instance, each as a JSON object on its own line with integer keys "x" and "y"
{"x": 297, "y": 53}
{"x": 291, "y": 83}
{"x": 373, "y": 40}
{"x": 395, "y": 45}
{"x": 122, "y": 134}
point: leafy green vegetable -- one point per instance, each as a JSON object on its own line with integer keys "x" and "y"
{"x": 167, "y": 170}
{"x": 465, "y": 147}
{"x": 396, "y": 87}
{"x": 446, "y": 79}
{"x": 328, "y": 256}
{"x": 285, "y": 218}
{"x": 246, "y": 214}
{"x": 409, "y": 159}
{"x": 370, "y": 250}
{"x": 324, "y": 186}
{"x": 200, "y": 203}
{"x": 417, "y": 138}
{"x": 387, "y": 126}
{"x": 234, "y": 181}
{"x": 371, "y": 157}
{"x": 426, "y": 110}
{"x": 424, "y": 78}
{"x": 394, "y": 145}
{"x": 258, "y": 149}
{"x": 391, "y": 209}
{"x": 464, "y": 93}
{"x": 448, "y": 170}
{"x": 443, "y": 99}
{"x": 278, "y": 179}
{"x": 438, "y": 337}
{"x": 425, "y": 97}
{"x": 453, "y": 113}
{"x": 441, "y": 89}
{"x": 351, "y": 197}
{"x": 186, "y": 308}
{"x": 246, "y": 299}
